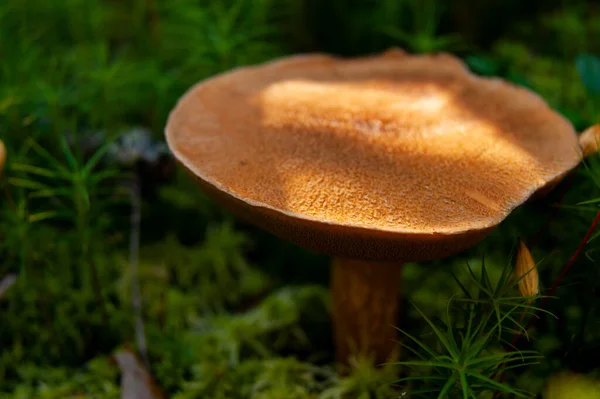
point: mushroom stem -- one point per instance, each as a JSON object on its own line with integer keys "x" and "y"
{"x": 365, "y": 309}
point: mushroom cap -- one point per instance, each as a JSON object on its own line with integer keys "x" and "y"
{"x": 383, "y": 157}
{"x": 590, "y": 140}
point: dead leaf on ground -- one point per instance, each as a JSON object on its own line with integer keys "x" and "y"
{"x": 6, "y": 283}
{"x": 136, "y": 381}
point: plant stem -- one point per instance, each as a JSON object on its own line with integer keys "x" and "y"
{"x": 98, "y": 292}
{"x": 566, "y": 269}
{"x": 134, "y": 246}
{"x": 154, "y": 21}
{"x": 554, "y": 287}
{"x": 83, "y": 227}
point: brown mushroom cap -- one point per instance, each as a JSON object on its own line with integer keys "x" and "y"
{"x": 385, "y": 157}
{"x": 590, "y": 140}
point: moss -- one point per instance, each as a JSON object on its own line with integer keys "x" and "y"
{"x": 230, "y": 311}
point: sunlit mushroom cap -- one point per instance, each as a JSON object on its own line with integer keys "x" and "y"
{"x": 386, "y": 157}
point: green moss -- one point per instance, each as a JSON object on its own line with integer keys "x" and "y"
{"x": 229, "y": 311}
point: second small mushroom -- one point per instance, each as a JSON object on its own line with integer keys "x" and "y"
{"x": 376, "y": 161}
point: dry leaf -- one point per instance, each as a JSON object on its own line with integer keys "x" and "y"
{"x": 526, "y": 272}
{"x": 136, "y": 382}
{"x": 7, "y": 281}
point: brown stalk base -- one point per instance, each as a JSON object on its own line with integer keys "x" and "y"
{"x": 365, "y": 309}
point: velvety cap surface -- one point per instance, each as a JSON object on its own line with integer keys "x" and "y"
{"x": 377, "y": 155}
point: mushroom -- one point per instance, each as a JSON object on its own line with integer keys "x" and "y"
{"x": 376, "y": 160}
{"x": 2, "y": 155}
{"x": 590, "y": 140}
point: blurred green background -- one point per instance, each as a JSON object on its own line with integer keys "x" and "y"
{"x": 230, "y": 311}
